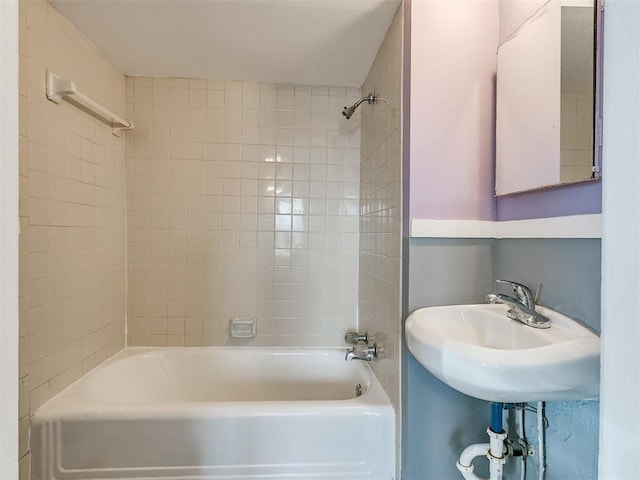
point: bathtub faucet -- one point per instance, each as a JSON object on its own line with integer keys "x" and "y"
{"x": 362, "y": 352}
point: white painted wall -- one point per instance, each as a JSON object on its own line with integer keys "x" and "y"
{"x": 620, "y": 388}
{"x": 9, "y": 239}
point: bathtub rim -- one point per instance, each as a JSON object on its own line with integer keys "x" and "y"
{"x": 75, "y": 403}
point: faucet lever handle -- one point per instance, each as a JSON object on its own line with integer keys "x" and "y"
{"x": 522, "y": 292}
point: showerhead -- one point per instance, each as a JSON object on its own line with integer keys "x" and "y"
{"x": 348, "y": 111}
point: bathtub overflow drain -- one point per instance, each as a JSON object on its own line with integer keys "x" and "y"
{"x": 358, "y": 390}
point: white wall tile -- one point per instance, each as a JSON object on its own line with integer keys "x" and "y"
{"x": 240, "y": 213}
{"x": 576, "y": 153}
{"x": 380, "y": 240}
{"x": 72, "y": 245}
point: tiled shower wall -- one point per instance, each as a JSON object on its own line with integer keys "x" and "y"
{"x": 72, "y": 214}
{"x": 380, "y": 205}
{"x": 576, "y": 125}
{"x": 242, "y": 202}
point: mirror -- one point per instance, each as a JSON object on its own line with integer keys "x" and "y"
{"x": 545, "y": 99}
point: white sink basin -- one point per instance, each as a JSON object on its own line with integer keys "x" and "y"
{"x": 477, "y": 350}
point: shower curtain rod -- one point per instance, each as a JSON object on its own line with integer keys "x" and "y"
{"x": 57, "y": 89}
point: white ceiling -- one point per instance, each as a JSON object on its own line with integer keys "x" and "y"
{"x": 314, "y": 42}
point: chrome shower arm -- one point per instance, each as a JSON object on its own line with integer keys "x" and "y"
{"x": 348, "y": 111}
{"x": 371, "y": 98}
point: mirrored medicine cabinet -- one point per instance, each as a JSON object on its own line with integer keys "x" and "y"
{"x": 546, "y": 99}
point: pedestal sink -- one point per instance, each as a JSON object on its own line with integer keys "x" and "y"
{"x": 478, "y": 351}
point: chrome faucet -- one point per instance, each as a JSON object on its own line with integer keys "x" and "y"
{"x": 362, "y": 352}
{"x": 522, "y": 292}
{"x": 523, "y": 307}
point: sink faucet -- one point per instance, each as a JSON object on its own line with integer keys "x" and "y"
{"x": 523, "y": 307}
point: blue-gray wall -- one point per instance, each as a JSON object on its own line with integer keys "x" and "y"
{"x": 570, "y": 273}
{"x": 568, "y": 269}
{"x": 438, "y": 422}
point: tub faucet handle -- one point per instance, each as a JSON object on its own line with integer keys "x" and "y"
{"x": 366, "y": 354}
{"x": 354, "y": 338}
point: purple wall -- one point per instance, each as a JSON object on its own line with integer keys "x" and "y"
{"x": 576, "y": 199}
{"x": 452, "y": 109}
{"x": 449, "y": 109}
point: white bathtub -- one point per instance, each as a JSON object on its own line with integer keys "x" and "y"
{"x": 218, "y": 413}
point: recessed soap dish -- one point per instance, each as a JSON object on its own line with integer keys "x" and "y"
{"x": 243, "y": 327}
